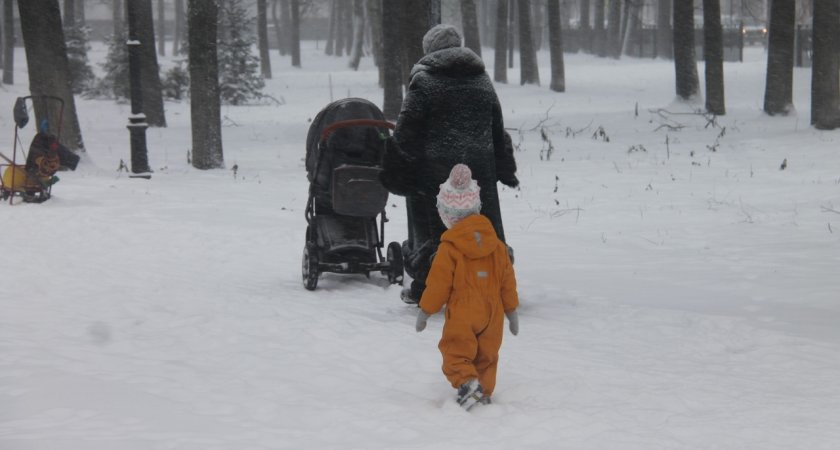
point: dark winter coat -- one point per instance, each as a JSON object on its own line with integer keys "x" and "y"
{"x": 450, "y": 115}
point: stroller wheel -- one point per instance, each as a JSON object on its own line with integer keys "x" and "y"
{"x": 310, "y": 266}
{"x": 395, "y": 260}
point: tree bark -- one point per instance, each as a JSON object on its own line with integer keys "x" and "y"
{"x": 825, "y": 86}
{"x": 329, "y": 47}
{"x": 178, "y": 36}
{"x": 8, "y": 42}
{"x": 585, "y": 25}
{"x": 500, "y": 60}
{"x": 664, "y": 45}
{"x": 555, "y": 43}
{"x": 600, "y": 40}
{"x": 418, "y": 17}
{"x": 614, "y": 29}
{"x": 685, "y": 59}
{"x": 338, "y": 47}
{"x": 69, "y": 17}
{"x": 713, "y": 56}
{"x": 150, "y": 71}
{"x": 512, "y": 28}
{"x": 161, "y": 28}
{"x": 48, "y": 68}
{"x": 391, "y": 54}
{"x": 205, "y": 103}
{"x": 347, "y": 27}
{"x": 262, "y": 36}
{"x": 778, "y": 91}
{"x": 358, "y": 33}
{"x": 374, "y": 10}
{"x": 469, "y": 23}
{"x": 294, "y": 38}
{"x": 530, "y": 72}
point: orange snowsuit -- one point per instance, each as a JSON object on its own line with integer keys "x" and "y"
{"x": 471, "y": 274}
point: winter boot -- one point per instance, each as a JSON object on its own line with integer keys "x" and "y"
{"x": 470, "y": 394}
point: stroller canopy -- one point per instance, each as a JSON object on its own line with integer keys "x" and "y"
{"x": 357, "y": 145}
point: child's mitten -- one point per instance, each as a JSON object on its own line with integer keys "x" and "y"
{"x": 422, "y": 317}
{"x": 513, "y": 318}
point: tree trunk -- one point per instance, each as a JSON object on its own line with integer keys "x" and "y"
{"x": 600, "y": 40}
{"x": 614, "y": 29}
{"x": 178, "y": 36}
{"x": 205, "y": 103}
{"x": 150, "y": 71}
{"x": 685, "y": 59}
{"x": 825, "y": 85}
{"x": 118, "y": 18}
{"x": 713, "y": 55}
{"x": 664, "y": 45}
{"x": 69, "y": 18}
{"x": 391, "y": 54}
{"x": 262, "y": 37}
{"x": 512, "y": 28}
{"x": 347, "y": 25}
{"x": 778, "y": 91}
{"x": 294, "y": 38}
{"x": 48, "y": 68}
{"x": 80, "y": 13}
{"x": 161, "y": 28}
{"x": 328, "y": 48}
{"x": 585, "y": 26}
{"x": 469, "y": 22}
{"x": 8, "y": 42}
{"x": 358, "y": 33}
{"x": 280, "y": 28}
{"x": 418, "y": 17}
{"x": 529, "y": 71}
{"x": 555, "y": 43}
{"x": 500, "y": 62}
{"x": 338, "y": 49}
{"x": 374, "y": 11}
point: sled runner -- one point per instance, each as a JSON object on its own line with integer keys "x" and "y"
{"x": 32, "y": 176}
{"x": 344, "y": 150}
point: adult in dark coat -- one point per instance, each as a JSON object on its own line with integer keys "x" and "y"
{"x": 450, "y": 115}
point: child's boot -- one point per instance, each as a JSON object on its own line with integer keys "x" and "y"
{"x": 470, "y": 394}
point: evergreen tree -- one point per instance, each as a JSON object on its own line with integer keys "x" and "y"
{"x": 115, "y": 82}
{"x": 240, "y": 79}
{"x": 82, "y": 78}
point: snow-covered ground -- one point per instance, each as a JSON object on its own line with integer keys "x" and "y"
{"x": 678, "y": 289}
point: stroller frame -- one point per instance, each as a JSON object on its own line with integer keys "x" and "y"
{"x": 351, "y": 257}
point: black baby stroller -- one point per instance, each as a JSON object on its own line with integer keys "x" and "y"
{"x": 344, "y": 150}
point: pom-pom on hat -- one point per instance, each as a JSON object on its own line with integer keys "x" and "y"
{"x": 440, "y": 37}
{"x": 458, "y": 196}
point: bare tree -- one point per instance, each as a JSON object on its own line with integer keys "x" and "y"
{"x": 417, "y": 17}
{"x": 530, "y": 72}
{"x": 150, "y": 71}
{"x": 469, "y": 23}
{"x": 663, "y": 30}
{"x": 205, "y": 103}
{"x": 685, "y": 59}
{"x": 262, "y": 36}
{"x": 585, "y": 27}
{"x": 713, "y": 55}
{"x": 178, "y": 36}
{"x": 500, "y": 62}
{"x": 600, "y": 41}
{"x": 161, "y": 28}
{"x": 391, "y": 54}
{"x": 614, "y": 29}
{"x": 374, "y": 11}
{"x": 338, "y": 47}
{"x": 331, "y": 36}
{"x": 778, "y": 91}
{"x": 358, "y": 33}
{"x": 48, "y": 68}
{"x": 825, "y": 86}
{"x": 555, "y": 44}
{"x": 294, "y": 37}
{"x": 8, "y": 42}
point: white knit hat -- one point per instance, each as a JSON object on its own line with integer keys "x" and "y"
{"x": 458, "y": 196}
{"x": 440, "y": 37}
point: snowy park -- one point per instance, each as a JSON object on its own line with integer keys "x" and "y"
{"x": 677, "y": 273}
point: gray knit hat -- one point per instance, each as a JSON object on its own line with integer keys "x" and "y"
{"x": 440, "y": 37}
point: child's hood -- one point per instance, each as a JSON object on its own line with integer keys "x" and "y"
{"x": 473, "y": 236}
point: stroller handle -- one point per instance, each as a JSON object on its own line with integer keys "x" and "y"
{"x": 354, "y": 123}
